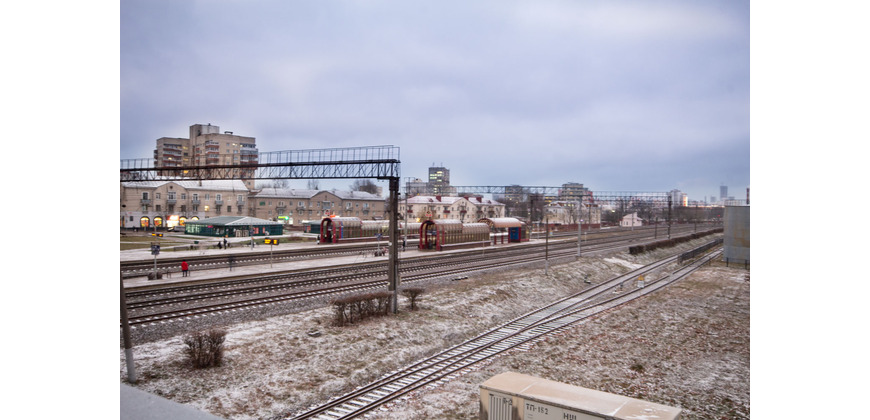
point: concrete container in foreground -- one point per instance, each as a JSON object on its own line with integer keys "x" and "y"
{"x": 514, "y": 396}
{"x": 736, "y": 246}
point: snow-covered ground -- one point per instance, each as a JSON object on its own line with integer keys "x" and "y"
{"x": 687, "y": 346}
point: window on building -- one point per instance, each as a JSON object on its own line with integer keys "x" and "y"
{"x": 157, "y": 208}
{"x": 156, "y": 196}
{"x": 218, "y": 197}
{"x": 144, "y": 195}
{"x": 183, "y": 196}
{"x": 171, "y": 195}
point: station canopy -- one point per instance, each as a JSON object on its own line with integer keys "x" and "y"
{"x": 502, "y": 222}
{"x": 241, "y": 221}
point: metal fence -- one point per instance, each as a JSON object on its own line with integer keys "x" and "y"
{"x": 701, "y": 250}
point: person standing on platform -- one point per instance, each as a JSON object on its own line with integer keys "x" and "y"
{"x": 184, "y": 269}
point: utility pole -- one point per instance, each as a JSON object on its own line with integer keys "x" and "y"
{"x": 669, "y": 216}
{"x": 579, "y": 224}
{"x": 393, "y": 273}
{"x": 546, "y": 242}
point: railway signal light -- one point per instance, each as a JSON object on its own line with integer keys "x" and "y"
{"x": 157, "y": 234}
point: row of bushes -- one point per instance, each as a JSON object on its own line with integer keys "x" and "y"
{"x": 356, "y": 308}
{"x": 640, "y": 249}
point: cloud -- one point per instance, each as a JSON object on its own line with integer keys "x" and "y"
{"x": 477, "y": 86}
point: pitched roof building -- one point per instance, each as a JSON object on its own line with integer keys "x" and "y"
{"x": 148, "y": 204}
{"x": 295, "y": 207}
{"x": 434, "y": 207}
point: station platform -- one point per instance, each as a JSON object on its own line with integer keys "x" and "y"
{"x": 365, "y": 255}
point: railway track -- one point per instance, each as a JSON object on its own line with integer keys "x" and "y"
{"x": 333, "y": 286}
{"x": 191, "y": 301}
{"x": 238, "y": 258}
{"x": 521, "y": 332}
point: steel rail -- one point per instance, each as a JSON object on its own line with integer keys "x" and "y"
{"x": 433, "y": 270}
{"x": 332, "y": 290}
{"x": 374, "y": 395}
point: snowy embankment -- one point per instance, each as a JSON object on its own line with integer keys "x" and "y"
{"x": 687, "y": 346}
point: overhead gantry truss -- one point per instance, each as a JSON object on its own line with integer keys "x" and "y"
{"x": 381, "y": 162}
{"x": 592, "y": 197}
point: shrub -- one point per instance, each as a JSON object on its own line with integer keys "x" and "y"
{"x": 412, "y": 293}
{"x": 356, "y": 308}
{"x": 205, "y": 348}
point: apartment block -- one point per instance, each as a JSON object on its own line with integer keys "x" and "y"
{"x": 207, "y": 146}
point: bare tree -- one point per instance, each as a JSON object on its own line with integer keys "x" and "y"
{"x": 278, "y": 183}
{"x": 313, "y": 184}
{"x": 365, "y": 185}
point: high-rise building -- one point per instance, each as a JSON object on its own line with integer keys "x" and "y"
{"x": 723, "y": 192}
{"x": 439, "y": 180}
{"x": 573, "y": 191}
{"x": 207, "y": 146}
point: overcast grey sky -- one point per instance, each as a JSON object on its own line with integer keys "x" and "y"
{"x": 618, "y": 95}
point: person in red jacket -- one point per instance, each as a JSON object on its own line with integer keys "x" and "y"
{"x": 184, "y": 267}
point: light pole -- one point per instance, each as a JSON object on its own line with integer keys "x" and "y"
{"x": 546, "y": 241}
{"x": 579, "y": 224}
